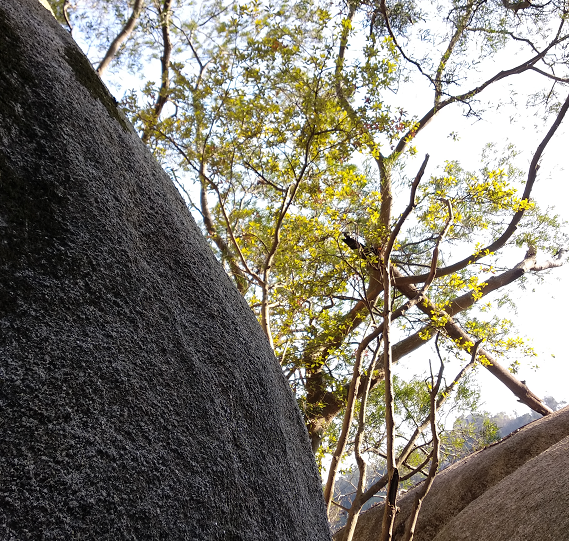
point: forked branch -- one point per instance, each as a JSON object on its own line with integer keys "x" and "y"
{"x": 410, "y": 445}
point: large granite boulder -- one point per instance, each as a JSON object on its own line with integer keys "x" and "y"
{"x": 139, "y": 397}
{"x": 529, "y": 504}
{"x": 514, "y": 490}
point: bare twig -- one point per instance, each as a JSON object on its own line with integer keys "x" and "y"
{"x": 238, "y": 273}
{"x": 464, "y": 97}
{"x": 459, "y": 31}
{"x": 419, "y": 497}
{"x": 383, "y": 9}
{"x": 410, "y": 445}
{"x": 288, "y": 198}
{"x": 356, "y": 506}
{"x": 408, "y": 209}
{"x": 551, "y": 76}
{"x": 346, "y": 423}
{"x": 503, "y": 33}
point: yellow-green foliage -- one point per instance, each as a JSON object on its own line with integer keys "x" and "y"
{"x": 283, "y": 147}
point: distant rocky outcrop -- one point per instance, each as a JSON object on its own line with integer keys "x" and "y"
{"x": 507, "y": 423}
{"x": 139, "y": 397}
{"x": 514, "y": 490}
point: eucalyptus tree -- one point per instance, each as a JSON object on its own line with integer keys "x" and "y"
{"x": 281, "y": 125}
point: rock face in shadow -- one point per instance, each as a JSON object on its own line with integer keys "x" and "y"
{"x": 514, "y": 490}
{"x": 139, "y": 396}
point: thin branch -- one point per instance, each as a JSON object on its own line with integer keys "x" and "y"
{"x": 66, "y": 6}
{"x": 528, "y": 264}
{"x": 383, "y": 9}
{"x": 408, "y": 209}
{"x": 340, "y": 506}
{"x": 418, "y": 469}
{"x": 459, "y": 31}
{"x": 208, "y": 219}
{"x": 392, "y": 470}
{"x": 464, "y": 341}
{"x": 121, "y": 37}
{"x": 346, "y": 423}
{"x": 386, "y": 271}
{"x": 355, "y": 508}
{"x": 525, "y": 66}
{"x": 165, "y": 14}
{"x": 503, "y": 33}
{"x": 288, "y": 198}
{"x": 263, "y": 177}
{"x": 428, "y": 483}
{"x": 232, "y": 236}
{"x": 551, "y": 76}
{"x": 404, "y": 308}
{"x": 201, "y": 65}
{"x": 410, "y": 445}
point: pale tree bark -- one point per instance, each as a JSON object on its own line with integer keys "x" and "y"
{"x": 410, "y": 445}
{"x": 355, "y": 508}
{"x": 388, "y": 272}
{"x": 392, "y": 470}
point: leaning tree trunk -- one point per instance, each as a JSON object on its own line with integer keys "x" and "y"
{"x": 139, "y": 396}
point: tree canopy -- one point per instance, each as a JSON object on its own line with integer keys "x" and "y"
{"x": 287, "y": 128}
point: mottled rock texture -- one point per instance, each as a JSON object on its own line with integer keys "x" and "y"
{"x": 139, "y": 398}
{"x": 514, "y": 490}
